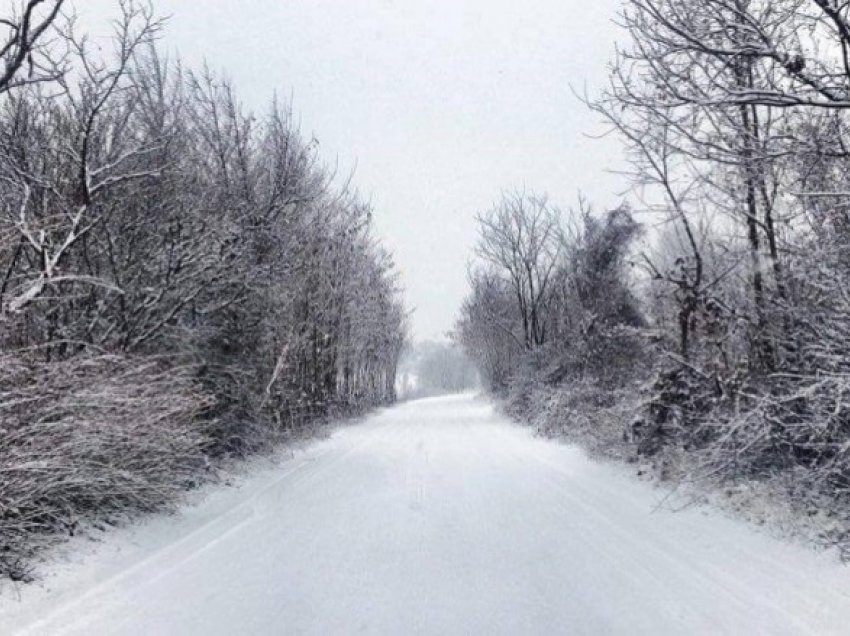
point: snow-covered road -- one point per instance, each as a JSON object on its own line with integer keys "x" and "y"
{"x": 439, "y": 517}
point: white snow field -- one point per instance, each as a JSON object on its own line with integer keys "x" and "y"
{"x": 438, "y": 517}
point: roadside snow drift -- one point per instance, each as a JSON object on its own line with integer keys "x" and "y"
{"x": 438, "y": 517}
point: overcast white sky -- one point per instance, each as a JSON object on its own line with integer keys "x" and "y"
{"x": 441, "y": 103}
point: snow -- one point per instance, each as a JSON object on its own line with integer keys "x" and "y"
{"x": 438, "y": 517}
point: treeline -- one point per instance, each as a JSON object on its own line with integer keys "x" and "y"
{"x": 180, "y": 278}
{"x": 430, "y": 368}
{"x": 716, "y": 347}
{"x": 552, "y": 302}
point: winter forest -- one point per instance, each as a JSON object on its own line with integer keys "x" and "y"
{"x": 701, "y": 328}
{"x": 181, "y": 279}
{"x": 190, "y": 285}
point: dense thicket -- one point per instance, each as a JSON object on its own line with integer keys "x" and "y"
{"x": 551, "y": 300}
{"x": 179, "y": 278}
{"x": 724, "y": 354}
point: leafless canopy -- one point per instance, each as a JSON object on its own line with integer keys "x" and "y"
{"x": 28, "y": 51}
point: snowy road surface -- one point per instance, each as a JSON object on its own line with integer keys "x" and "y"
{"x": 439, "y": 517}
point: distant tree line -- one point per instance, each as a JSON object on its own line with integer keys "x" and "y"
{"x": 722, "y": 334}
{"x": 436, "y": 368}
{"x": 552, "y": 296}
{"x": 179, "y": 278}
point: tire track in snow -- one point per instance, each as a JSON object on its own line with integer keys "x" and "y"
{"x": 440, "y": 517}
{"x": 220, "y": 528}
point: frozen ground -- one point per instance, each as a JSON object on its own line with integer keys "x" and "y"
{"x": 438, "y": 517}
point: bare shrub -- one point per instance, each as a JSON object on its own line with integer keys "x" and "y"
{"x": 91, "y": 438}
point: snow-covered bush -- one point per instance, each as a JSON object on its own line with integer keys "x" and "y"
{"x": 90, "y": 438}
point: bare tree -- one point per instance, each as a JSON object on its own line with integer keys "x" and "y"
{"x": 54, "y": 211}
{"x": 26, "y": 54}
{"x": 489, "y": 331}
{"x": 684, "y": 98}
{"x": 520, "y": 240}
